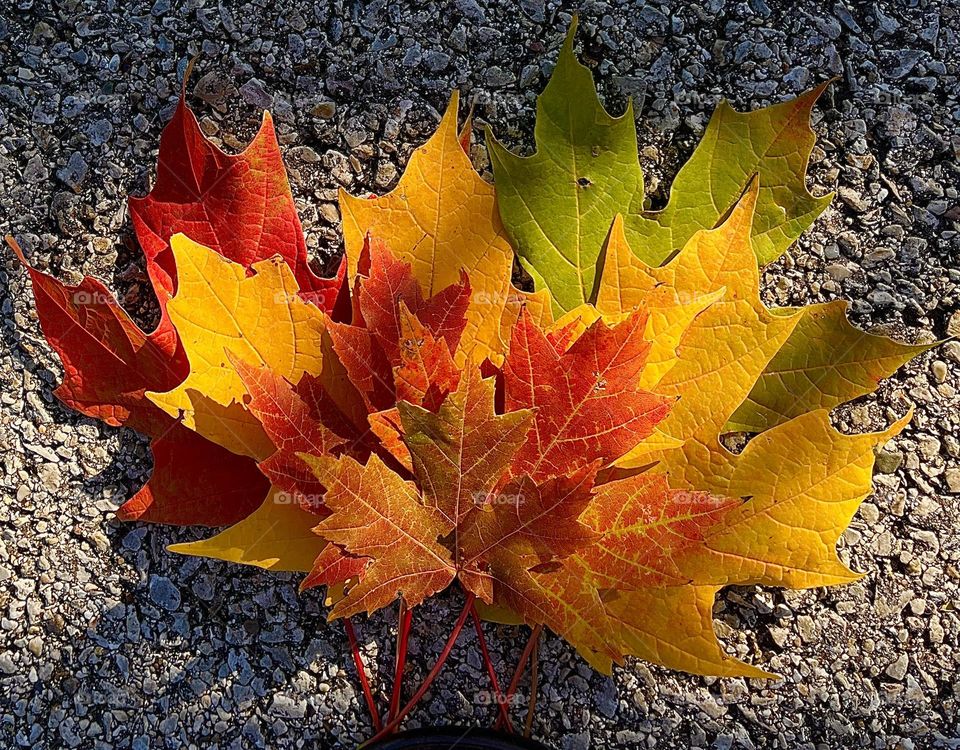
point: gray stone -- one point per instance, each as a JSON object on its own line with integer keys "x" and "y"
{"x": 889, "y": 460}
{"x": 952, "y": 476}
{"x": 255, "y": 92}
{"x": 897, "y": 669}
{"x": 75, "y": 172}
{"x": 164, "y": 593}
{"x": 287, "y": 707}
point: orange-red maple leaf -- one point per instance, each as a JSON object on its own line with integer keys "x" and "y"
{"x": 643, "y": 527}
{"x": 375, "y": 513}
{"x": 239, "y": 205}
{"x": 461, "y": 451}
{"x": 108, "y": 363}
{"x": 520, "y": 554}
{"x": 369, "y": 348}
{"x": 588, "y": 403}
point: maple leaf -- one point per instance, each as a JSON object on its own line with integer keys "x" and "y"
{"x": 528, "y": 525}
{"x": 296, "y": 419}
{"x": 377, "y": 514}
{"x": 238, "y": 205}
{"x": 642, "y": 526}
{"x": 461, "y": 451}
{"x": 773, "y": 143}
{"x": 426, "y": 372}
{"x": 626, "y": 285}
{"x": 825, "y": 362}
{"x": 277, "y": 536}
{"x": 194, "y": 482}
{"x": 219, "y": 308}
{"x": 442, "y": 218}
{"x": 600, "y": 414}
{"x": 109, "y": 363}
{"x": 557, "y": 205}
{"x": 741, "y": 366}
{"x": 370, "y": 347}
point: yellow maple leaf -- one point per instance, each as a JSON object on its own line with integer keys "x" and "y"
{"x": 278, "y": 536}
{"x": 259, "y": 318}
{"x": 442, "y": 217}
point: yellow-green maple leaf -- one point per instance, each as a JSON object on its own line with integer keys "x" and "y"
{"x": 773, "y": 143}
{"x": 557, "y": 204}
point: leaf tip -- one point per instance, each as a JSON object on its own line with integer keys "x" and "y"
{"x": 18, "y": 251}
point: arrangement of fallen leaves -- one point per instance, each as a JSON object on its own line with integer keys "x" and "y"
{"x": 417, "y": 420}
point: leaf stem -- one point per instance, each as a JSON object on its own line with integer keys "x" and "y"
{"x": 534, "y": 684}
{"x": 411, "y": 704}
{"x": 501, "y": 703}
{"x": 521, "y": 667}
{"x": 403, "y": 636}
{"x": 362, "y": 673}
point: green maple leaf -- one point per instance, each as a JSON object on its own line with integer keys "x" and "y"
{"x": 558, "y": 204}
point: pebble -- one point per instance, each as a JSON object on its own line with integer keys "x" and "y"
{"x": 75, "y": 172}
{"x": 952, "y": 476}
{"x": 897, "y": 669}
{"x": 164, "y": 593}
{"x": 255, "y": 92}
{"x": 951, "y": 351}
{"x": 888, "y": 461}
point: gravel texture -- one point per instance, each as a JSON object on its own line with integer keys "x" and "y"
{"x": 107, "y": 640}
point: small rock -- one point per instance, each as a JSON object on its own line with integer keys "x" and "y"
{"x": 939, "y": 370}
{"x": 497, "y": 77}
{"x": 952, "y": 476}
{"x": 906, "y": 61}
{"x": 953, "y": 325}
{"x": 898, "y": 669}
{"x": 35, "y": 171}
{"x": 324, "y": 110}
{"x": 838, "y": 272}
{"x": 287, "y": 707}
{"x": 808, "y": 630}
{"x": 888, "y": 461}
{"x": 951, "y": 351}
{"x": 880, "y": 299}
{"x": 929, "y": 446}
{"x": 579, "y": 741}
{"x": 164, "y": 593}
{"x": 75, "y": 172}
{"x": 99, "y": 132}
{"x": 535, "y": 9}
{"x": 607, "y": 699}
{"x": 255, "y": 92}
{"x": 853, "y": 199}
